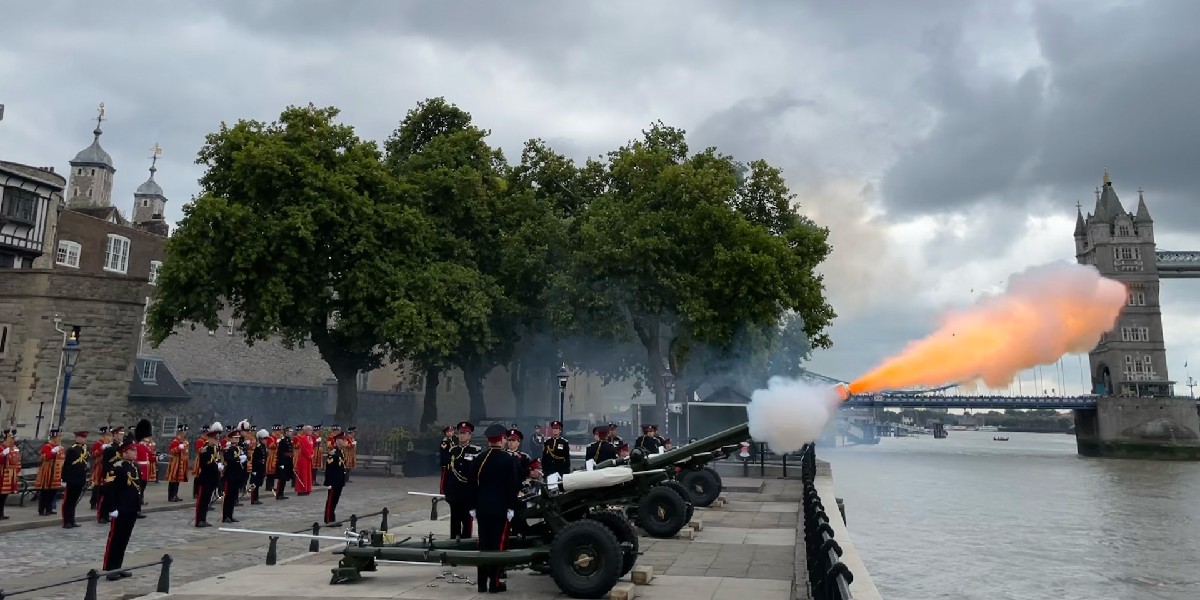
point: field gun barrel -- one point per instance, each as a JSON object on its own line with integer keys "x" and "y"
{"x": 717, "y": 441}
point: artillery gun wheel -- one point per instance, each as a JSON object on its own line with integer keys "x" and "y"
{"x": 683, "y": 493}
{"x": 703, "y": 486}
{"x": 585, "y": 559}
{"x": 662, "y": 512}
{"x": 623, "y": 529}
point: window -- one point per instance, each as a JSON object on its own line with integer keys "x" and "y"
{"x": 5, "y": 330}
{"x": 93, "y": 172}
{"x": 1136, "y": 299}
{"x": 1123, "y": 231}
{"x": 1126, "y": 253}
{"x": 68, "y": 254}
{"x": 150, "y": 371}
{"x": 170, "y": 424}
{"x": 89, "y": 194}
{"x": 116, "y": 254}
{"x": 154, "y": 267}
{"x": 1135, "y": 334}
{"x": 20, "y": 205}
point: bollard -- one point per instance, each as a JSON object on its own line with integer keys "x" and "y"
{"x": 273, "y": 550}
{"x": 1, "y": 594}
{"x": 93, "y": 578}
{"x": 383, "y": 526}
{"x": 433, "y": 510}
{"x": 353, "y": 522}
{"x": 314, "y": 545}
{"x": 784, "y": 466}
{"x": 164, "y": 576}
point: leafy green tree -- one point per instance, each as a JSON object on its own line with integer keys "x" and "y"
{"x": 299, "y": 231}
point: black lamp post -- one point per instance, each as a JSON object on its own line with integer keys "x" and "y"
{"x": 669, "y": 388}
{"x": 563, "y": 376}
{"x": 70, "y": 358}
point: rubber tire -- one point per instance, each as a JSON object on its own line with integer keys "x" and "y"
{"x": 585, "y": 532}
{"x": 668, "y": 499}
{"x": 683, "y": 493}
{"x": 701, "y": 486}
{"x": 720, "y": 481}
{"x": 619, "y": 524}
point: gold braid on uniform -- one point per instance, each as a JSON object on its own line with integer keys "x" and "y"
{"x": 454, "y": 469}
{"x": 596, "y": 454}
{"x": 483, "y": 462}
{"x": 133, "y": 482}
{"x": 82, "y": 460}
{"x": 547, "y": 448}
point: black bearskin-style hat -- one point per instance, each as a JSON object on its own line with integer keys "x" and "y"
{"x": 103, "y": 429}
{"x": 495, "y": 432}
{"x": 142, "y": 430}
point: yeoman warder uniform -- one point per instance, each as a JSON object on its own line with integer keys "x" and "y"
{"x": 177, "y": 469}
{"x": 49, "y": 473}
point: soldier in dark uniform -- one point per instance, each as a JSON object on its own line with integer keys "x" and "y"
{"x": 74, "y": 477}
{"x": 335, "y": 476}
{"x": 601, "y": 450}
{"x": 210, "y": 464}
{"x": 258, "y": 466}
{"x": 662, "y": 441}
{"x": 647, "y": 442}
{"x": 512, "y": 439}
{"x": 444, "y": 448}
{"x": 556, "y": 452}
{"x": 235, "y": 475}
{"x": 459, "y": 493}
{"x": 613, "y": 438}
{"x": 108, "y": 458}
{"x": 284, "y": 462}
{"x": 494, "y": 476}
{"x": 125, "y": 501}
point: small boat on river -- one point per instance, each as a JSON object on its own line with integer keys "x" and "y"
{"x": 1000, "y": 438}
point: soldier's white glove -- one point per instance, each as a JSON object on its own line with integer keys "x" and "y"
{"x": 510, "y": 514}
{"x": 242, "y": 459}
{"x": 64, "y": 484}
{"x": 113, "y": 514}
{"x": 5, "y": 453}
{"x": 220, "y": 467}
{"x": 105, "y": 447}
{"x": 56, "y": 449}
{"x": 472, "y": 513}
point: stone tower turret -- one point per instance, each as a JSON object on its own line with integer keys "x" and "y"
{"x": 1130, "y": 360}
{"x": 91, "y": 179}
{"x": 149, "y": 203}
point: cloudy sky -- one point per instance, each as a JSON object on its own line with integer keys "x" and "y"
{"x": 944, "y": 143}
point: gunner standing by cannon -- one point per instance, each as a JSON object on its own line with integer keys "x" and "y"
{"x": 556, "y": 452}
{"x": 444, "y": 448}
{"x": 496, "y": 482}
{"x": 648, "y": 442}
{"x": 124, "y": 499}
{"x": 601, "y": 449}
{"x": 459, "y": 487}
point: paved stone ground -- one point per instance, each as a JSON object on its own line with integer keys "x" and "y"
{"x": 40, "y": 556}
{"x": 745, "y": 551}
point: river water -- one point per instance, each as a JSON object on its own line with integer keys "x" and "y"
{"x": 967, "y": 517}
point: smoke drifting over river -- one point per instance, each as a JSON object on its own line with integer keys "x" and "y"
{"x": 790, "y": 413}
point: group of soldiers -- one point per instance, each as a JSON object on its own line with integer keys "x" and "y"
{"x": 227, "y": 464}
{"x": 485, "y": 484}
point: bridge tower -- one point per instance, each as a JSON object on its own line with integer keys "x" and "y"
{"x": 1130, "y": 360}
{"x": 1135, "y": 414}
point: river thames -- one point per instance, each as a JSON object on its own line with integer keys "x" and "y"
{"x": 971, "y": 518}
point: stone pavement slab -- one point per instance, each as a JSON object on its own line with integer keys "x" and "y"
{"x": 747, "y": 563}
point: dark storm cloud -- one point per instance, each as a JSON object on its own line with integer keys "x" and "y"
{"x": 1117, "y": 89}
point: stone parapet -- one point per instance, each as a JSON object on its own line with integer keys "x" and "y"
{"x": 1149, "y": 428}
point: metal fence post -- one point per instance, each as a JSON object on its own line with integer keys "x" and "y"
{"x": 353, "y": 522}
{"x": 433, "y": 509}
{"x": 314, "y": 545}
{"x": 273, "y": 550}
{"x": 383, "y": 526}
{"x": 785, "y": 466}
{"x": 92, "y": 579}
{"x": 164, "y": 576}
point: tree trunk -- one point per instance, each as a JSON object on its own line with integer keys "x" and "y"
{"x": 429, "y": 410}
{"x": 516, "y": 381}
{"x": 473, "y": 378}
{"x": 346, "y": 413}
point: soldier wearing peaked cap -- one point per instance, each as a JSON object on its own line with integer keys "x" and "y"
{"x": 49, "y": 473}
{"x": 459, "y": 491}
{"x": 124, "y": 495}
{"x": 444, "y": 448}
{"x": 512, "y": 440}
{"x": 209, "y": 464}
{"x": 613, "y": 438}
{"x": 556, "y": 452}
{"x": 351, "y": 450}
{"x": 647, "y": 442}
{"x": 335, "y": 476}
{"x": 601, "y": 449}
{"x": 235, "y": 475}
{"x": 284, "y": 454}
{"x": 74, "y": 477}
{"x": 109, "y": 458}
{"x": 495, "y": 479}
{"x": 258, "y": 465}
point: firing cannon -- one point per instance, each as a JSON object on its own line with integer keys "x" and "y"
{"x": 578, "y": 529}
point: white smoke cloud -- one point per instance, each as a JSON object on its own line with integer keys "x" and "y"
{"x": 790, "y": 413}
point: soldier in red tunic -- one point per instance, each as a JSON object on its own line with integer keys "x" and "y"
{"x": 49, "y": 474}
{"x": 143, "y": 463}
{"x": 153, "y": 446}
{"x": 10, "y": 468}
{"x": 97, "y": 454}
{"x": 200, "y": 443}
{"x": 177, "y": 469}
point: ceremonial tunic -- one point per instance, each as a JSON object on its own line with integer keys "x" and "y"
{"x": 177, "y": 468}
{"x": 351, "y": 453}
{"x": 235, "y": 477}
{"x": 108, "y": 458}
{"x": 97, "y": 456}
{"x": 444, "y": 461}
{"x": 335, "y": 480}
{"x": 208, "y": 465}
{"x": 495, "y": 480}
{"x": 124, "y": 490}
{"x": 258, "y": 471}
{"x": 304, "y": 467}
{"x": 649, "y": 443}
{"x": 153, "y": 447}
{"x": 272, "y": 444}
{"x": 556, "y": 456}
{"x": 601, "y": 451}
{"x": 10, "y": 470}
{"x": 49, "y": 477}
{"x": 459, "y": 493}
{"x": 74, "y": 475}
{"x": 283, "y": 465}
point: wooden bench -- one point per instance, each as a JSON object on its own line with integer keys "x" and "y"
{"x": 374, "y": 461}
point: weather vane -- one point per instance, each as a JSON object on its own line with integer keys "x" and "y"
{"x": 100, "y": 115}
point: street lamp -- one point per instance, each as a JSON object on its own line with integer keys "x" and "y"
{"x": 668, "y": 380}
{"x": 563, "y": 376}
{"x": 70, "y": 353}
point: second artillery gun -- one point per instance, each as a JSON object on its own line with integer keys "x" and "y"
{"x": 579, "y": 530}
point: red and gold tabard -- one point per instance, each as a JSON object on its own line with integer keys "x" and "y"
{"x": 351, "y": 450}
{"x": 177, "y": 468}
{"x": 272, "y": 443}
{"x": 10, "y": 470}
{"x": 251, "y": 444}
{"x": 200, "y": 442}
{"x": 98, "y": 461}
{"x": 153, "y": 446}
{"x": 49, "y": 474}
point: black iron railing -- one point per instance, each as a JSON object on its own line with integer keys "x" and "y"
{"x": 314, "y": 545}
{"x": 93, "y": 580}
{"x": 828, "y": 577}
